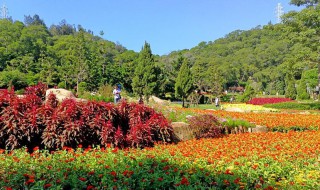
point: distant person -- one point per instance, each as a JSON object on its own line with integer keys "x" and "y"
{"x": 216, "y": 101}
{"x": 140, "y": 101}
{"x": 116, "y": 94}
{"x": 231, "y": 99}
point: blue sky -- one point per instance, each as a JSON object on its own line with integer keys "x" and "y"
{"x": 168, "y": 25}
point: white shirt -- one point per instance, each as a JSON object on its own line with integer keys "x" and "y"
{"x": 116, "y": 93}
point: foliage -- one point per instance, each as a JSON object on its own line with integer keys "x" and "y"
{"x": 262, "y": 101}
{"x": 205, "y": 126}
{"x": 302, "y": 93}
{"x": 247, "y": 95}
{"x": 27, "y": 122}
{"x": 233, "y": 123}
{"x": 38, "y": 90}
{"x": 145, "y": 75}
{"x": 290, "y": 87}
{"x": 295, "y": 106}
{"x": 304, "y": 2}
{"x": 12, "y": 78}
{"x": 184, "y": 82}
{"x": 293, "y": 128}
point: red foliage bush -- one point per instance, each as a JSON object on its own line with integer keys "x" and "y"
{"x": 29, "y": 122}
{"x": 205, "y": 126}
{"x": 262, "y": 101}
{"x": 38, "y": 90}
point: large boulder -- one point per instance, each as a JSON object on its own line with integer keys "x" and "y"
{"x": 259, "y": 129}
{"x": 182, "y": 130}
{"x": 62, "y": 94}
{"x": 158, "y": 100}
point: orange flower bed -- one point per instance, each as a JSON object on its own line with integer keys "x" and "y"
{"x": 269, "y": 119}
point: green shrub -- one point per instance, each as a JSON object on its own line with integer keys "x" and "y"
{"x": 106, "y": 90}
{"x": 294, "y": 105}
{"x": 231, "y": 123}
{"x": 82, "y": 88}
{"x": 293, "y": 128}
{"x": 62, "y": 85}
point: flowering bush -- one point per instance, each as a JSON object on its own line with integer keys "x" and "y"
{"x": 262, "y": 101}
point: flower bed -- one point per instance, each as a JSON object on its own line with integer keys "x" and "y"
{"x": 270, "y": 120}
{"x": 262, "y": 101}
{"x": 246, "y": 161}
{"x": 248, "y": 108}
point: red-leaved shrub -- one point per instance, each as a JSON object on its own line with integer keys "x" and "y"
{"x": 205, "y": 126}
{"x": 38, "y": 90}
{"x": 29, "y": 122}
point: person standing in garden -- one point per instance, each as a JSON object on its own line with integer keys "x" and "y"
{"x": 216, "y": 101}
{"x": 116, "y": 94}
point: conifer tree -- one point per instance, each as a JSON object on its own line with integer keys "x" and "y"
{"x": 184, "y": 82}
{"x": 145, "y": 77}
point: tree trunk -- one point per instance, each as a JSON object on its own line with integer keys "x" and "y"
{"x": 319, "y": 74}
{"x": 77, "y": 85}
{"x": 183, "y": 102}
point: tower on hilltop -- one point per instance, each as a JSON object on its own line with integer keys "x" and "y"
{"x": 4, "y": 11}
{"x": 279, "y": 12}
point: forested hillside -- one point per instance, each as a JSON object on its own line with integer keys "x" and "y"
{"x": 60, "y": 55}
{"x": 270, "y": 58}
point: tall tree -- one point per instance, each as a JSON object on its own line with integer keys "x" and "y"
{"x": 214, "y": 80}
{"x": 81, "y": 58}
{"x": 145, "y": 79}
{"x": 184, "y": 81}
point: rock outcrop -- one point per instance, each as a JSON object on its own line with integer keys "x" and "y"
{"x": 62, "y": 94}
{"x": 182, "y": 130}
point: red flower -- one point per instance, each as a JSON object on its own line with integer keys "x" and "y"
{"x": 113, "y": 173}
{"x": 82, "y": 179}
{"x": 160, "y": 179}
{"x": 237, "y": 180}
{"x": 29, "y": 181}
{"x": 89, "y": 187}
{"x": 47, "y": 185}
{"x": 184, "y": 181}
{"x": 91, "y": 173}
